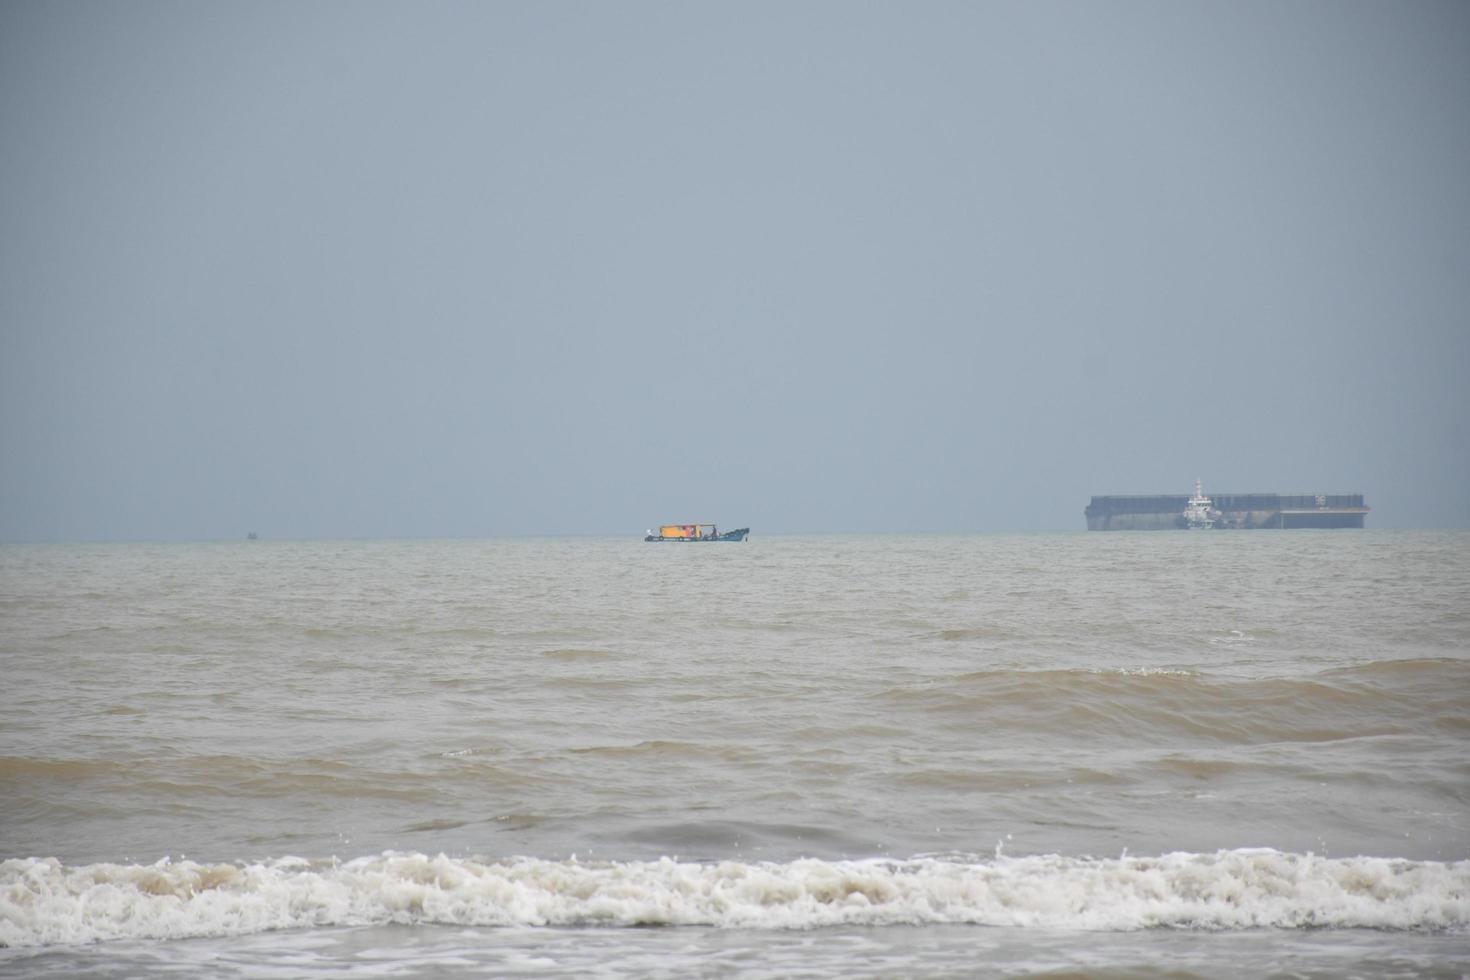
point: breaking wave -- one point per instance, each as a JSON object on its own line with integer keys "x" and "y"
{"x": 45, "y": 902}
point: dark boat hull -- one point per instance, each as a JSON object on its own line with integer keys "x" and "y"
{"x": 736, "y": 535}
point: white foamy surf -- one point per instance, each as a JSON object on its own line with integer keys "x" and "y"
{"x": 44, "y": 902}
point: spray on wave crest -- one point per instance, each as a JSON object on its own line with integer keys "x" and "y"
{"x": 44, "y": 902}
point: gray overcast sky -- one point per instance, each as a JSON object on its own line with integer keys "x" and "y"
{"x": 418, "y": 269}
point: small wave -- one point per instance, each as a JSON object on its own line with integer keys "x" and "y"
{"x": 662, "y": 749}
{"x": 25, "y": 767}
{"x": 591, "y": 683}
{"x": 1154, "y": 702}
{"x": 575, "y": 655}
{"x": 975, "y": 633}
{"x": 1149, "y": 672}
{"x": 1086, "y": 680}
{"x": 972, "y": 780}
{"x": 44, "y": 902}
{"x": 1436, "y": 669}
{"x": 431, "y": 825}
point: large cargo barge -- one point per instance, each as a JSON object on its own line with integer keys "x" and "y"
{"x": 1168, "y": 511}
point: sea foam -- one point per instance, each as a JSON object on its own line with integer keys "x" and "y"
{"x": 45, "y": 902}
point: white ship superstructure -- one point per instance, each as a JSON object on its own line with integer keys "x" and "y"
{"x": 1200, "y": 512}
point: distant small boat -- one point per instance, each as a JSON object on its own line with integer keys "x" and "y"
{"x": 252, "y": 536}
{"x": 1201, "y": 514}
{"x": 695, "y": 532}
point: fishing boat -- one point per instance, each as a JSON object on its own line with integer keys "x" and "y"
{"x": 1200, "y": 514}
{"x": 695, "y": 532}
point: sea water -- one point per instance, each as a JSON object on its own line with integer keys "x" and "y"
{"x": 1207, "y": 753}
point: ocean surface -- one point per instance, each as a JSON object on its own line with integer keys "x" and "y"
{"x": 1182, "y": 754}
